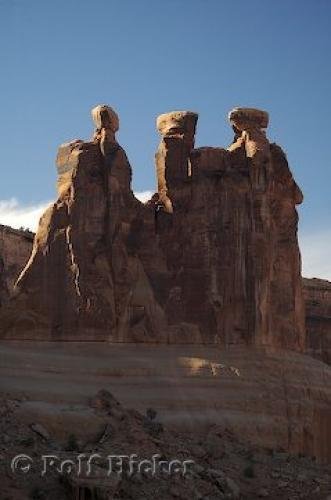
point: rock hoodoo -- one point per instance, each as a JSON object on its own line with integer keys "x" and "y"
{"x": 83, "y": 278}
{"x": 213, "y": 257}
{"x": 230, "y": 244}
{"x": 173, "y": 155}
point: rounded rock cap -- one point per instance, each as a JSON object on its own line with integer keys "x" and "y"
{"x": 246, "y": 118}
{"x": 105, "y": 117}
{"x": 177, "y": 121}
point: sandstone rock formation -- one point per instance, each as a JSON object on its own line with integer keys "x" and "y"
{"x": 317, "y": 295}
{"x": 212, "y": 258}
{"x": 231, "y": 244}
{"x": 15, "y": 250}
{"x": 84, "y": 280}
{"x": 173, "y": 155}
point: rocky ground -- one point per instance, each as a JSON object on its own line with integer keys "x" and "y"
{"x": 225, "y": 467}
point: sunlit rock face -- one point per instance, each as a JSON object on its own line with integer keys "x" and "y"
{"x": 213, "y": 257}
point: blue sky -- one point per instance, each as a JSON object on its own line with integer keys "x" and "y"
{"x": 60, "y": 58}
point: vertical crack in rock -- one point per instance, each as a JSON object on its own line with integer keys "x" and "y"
{"x": 74, "y": 265}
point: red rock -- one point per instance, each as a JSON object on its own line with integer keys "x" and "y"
{"x": 83, "y": 281}
{"x": 317, "y": 295}
{"x": 231, "y": 242}
{"x": 212, "y": 258}
{"x": 15, "y": 249}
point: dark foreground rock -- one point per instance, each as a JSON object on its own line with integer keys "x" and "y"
{"x": 219, "y": 465}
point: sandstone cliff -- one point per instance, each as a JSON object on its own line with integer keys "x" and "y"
{"x": 317, "y": 295}
{"x": 15, "y": 250}
{"x": 212, "y": 258}
{"x": 230, "y": 240}
{"x": 83, "y": 277}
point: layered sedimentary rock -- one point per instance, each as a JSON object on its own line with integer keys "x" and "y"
{"x": 15, "y": 250}
{"x": 272, "y": 399}
{"x": 317, "y": 295}
{"x": 213, "y": 257}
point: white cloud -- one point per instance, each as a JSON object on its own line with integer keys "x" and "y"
{"x": 315, "y": 246}
{"x": 144, "y": 196}
{"x": 316, "y": 254}
{"x": 17, "y": 215}
{"x": 13, "y": 214}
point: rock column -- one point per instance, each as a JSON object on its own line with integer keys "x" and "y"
{"x": 172, "y": 157}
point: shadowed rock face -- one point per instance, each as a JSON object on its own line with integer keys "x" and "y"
{"x": 230, "y": 240}
{"x": 317, "y": 295}
{"x": 15, "y": 250}
{"x": 212, "y": 258}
